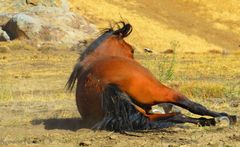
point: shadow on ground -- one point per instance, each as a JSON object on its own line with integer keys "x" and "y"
{"x": 72, "y": 124}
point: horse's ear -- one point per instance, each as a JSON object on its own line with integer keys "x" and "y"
{"x": 130, "y": 28}
{"x": 124, "y": 29}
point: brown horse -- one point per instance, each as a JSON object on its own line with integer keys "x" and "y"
{"x": 115, "y": 92}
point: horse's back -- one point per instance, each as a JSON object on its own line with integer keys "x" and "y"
{"x": 130, "y": 77}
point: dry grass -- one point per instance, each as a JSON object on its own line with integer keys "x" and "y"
{"x": 31, "y": 73}
{"x": 198, "y": 75}
{"x": 37, "y": 110}
{"x": 32, "y": 80}
{"x": 198, "y": 26}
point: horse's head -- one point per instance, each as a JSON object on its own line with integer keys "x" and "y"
{"x": 111, "y": 43}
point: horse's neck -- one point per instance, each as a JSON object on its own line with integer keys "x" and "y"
{"x": 91, "y": 58}
{"x": 95, "y": 55}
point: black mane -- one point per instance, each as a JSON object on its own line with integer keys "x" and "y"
{"x": 122, "y": 31}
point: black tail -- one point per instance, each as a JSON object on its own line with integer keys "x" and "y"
{"x": 73, "y": 77}
{"x": 121, "y": 115}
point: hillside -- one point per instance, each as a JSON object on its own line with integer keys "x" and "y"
{"x": 197, "y": 26}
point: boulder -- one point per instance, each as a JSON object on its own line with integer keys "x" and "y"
{"x": 3, "y": 35}
{"x": 23, "y": 26}
{"x": 49, "y": 24}
{"x": 21, "y": 5}
{"x": 5, "y": 17}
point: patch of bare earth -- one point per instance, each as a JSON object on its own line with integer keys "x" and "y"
{"x": 52, "y": 123}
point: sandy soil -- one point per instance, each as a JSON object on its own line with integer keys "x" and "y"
{"x": 36, "y": 111}
{"x": 54, "y": 124}
{"x": 43, "y": 115}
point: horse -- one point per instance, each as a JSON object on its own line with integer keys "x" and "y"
{"x": 115, "y": 92}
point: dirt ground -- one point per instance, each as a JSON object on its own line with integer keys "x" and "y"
{"x": 35, "y": 110}
{"x": 30, "y": 123}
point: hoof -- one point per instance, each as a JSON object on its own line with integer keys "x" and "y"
{"x": 233, "y": 119}
{"x": 222, "y": 121}
{"x": 226, "y": 120}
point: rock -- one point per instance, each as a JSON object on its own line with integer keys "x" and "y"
{"x": 3, "y": 35}
{"x": 113, "y": 137}
{"x": 32, "y": 2}
{"x": 5, "y": 17}
{"x": 85, "y": 143}
{"x": 49, "y": 24}
{"x": 22, "y": 25}
{"x": 21, "y": 5}
{"x": 147, "y": 50}
{"x": 168, "y": 51}
{"x": 234, "y": 104}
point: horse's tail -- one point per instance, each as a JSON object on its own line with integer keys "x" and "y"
{"x": 73, "y": 77}
{"x": 121, "y": 114}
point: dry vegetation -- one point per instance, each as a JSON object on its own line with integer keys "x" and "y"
{"x": 36, "y": 109}
{"x": 197, "y": 25}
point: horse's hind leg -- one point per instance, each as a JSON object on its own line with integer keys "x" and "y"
{"x": 181, "y": 118}
{"x": 197, "y": 108}
{"x": 200, "y": 109}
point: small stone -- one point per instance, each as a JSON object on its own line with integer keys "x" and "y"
{"x": 36, "y": 140}
{"x": 113, "y": 137}
{"x": 147, "y": 50}
{"x": 234, "y": 104}
{"x": 3, "y": 35}
{"x": 32, "y": 2}
{"x": 85, "y": 143}
{"x": 168, "y": 51}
